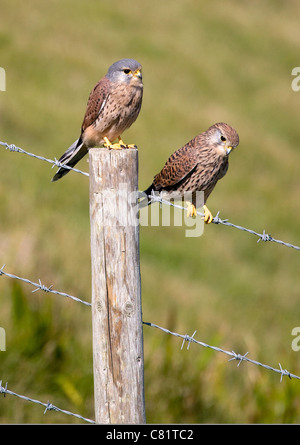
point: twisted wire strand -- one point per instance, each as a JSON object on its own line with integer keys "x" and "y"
{"x": 233, "y": 355}
{"x": 217, "y": 220}
{"x": 48, "y": 406}
{"x": 55, "y": 162}
{"x": 40, "y": 286}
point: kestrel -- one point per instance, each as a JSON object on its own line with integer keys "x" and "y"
{"x": 113, "y": 106}
{"x": 197, "y": 166}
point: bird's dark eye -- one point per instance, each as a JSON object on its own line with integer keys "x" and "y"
{"x": 223, "y": 139}
{"x": 126, "y": 70}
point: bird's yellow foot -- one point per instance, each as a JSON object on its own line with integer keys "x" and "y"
{"x": 123, "y": 145}
{"x": 117, "y": 146}
{"x": 109, "y": 145}
{"x": 191, "y": 210}
{"x": 207, "y": 215}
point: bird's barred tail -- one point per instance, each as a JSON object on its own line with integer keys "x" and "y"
{"x": 146, "y": 195}
{"x": 70, "y": 158}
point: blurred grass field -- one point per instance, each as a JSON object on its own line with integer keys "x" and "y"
{"x": 203, "y": 62}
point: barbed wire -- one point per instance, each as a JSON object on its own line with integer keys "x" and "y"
{"x": 234, "y": 356}
{"x": 55, "y": 162}
{"x": 48, "y": 406}
{"x": 217, "y": 220}
{"x": 156, "y": 198}
{"x": 185, "y": 338}
{"x": 40, "y": 286}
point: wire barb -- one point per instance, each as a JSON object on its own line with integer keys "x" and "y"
{"x": 42, "y": 287}
{"x": 3, "y": 390}
{"x": 284, "y": 372}
{"x": 265, "y": 237}
{"x": 188, "y": 339}
{"x": 238, "y": 357}
{"x": 50, "y": 407}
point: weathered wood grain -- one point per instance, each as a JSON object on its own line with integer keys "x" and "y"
{"x": 116, "y": 287}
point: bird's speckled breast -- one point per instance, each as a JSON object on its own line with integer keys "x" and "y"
{"x": 121, "y": 109}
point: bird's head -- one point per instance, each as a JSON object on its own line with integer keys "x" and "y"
{"x": 127, "y": 71}
{"x": 223, "y": 137}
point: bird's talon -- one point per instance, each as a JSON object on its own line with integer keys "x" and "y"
{"x": 207, "y": 215}
{"x": 118, "y": 146}
{"x": 191, "y": 210}
{"x": 115, "y": 147}
{"x": 130, "y": 146}
{"x": 123, "y": 145}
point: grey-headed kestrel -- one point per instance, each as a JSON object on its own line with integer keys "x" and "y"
{"x": 113, "y": 106}
{"x": 197, "y": 166}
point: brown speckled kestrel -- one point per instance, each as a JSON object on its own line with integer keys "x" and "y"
{"x": 197, "y": 166}
{"x": 113, "y": 106}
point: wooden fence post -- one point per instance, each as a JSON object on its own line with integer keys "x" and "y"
{"x": 118, "y": 359}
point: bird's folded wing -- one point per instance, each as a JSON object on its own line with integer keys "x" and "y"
{"x": 179, "y": 165}
{"x": 95, "y": 102}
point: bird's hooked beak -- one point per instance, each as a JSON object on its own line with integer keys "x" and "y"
{"x": 138, "y": 73}
{"x": 228, "y": 149}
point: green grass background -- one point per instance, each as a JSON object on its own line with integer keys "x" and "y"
{"x": 203, "y": 62}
